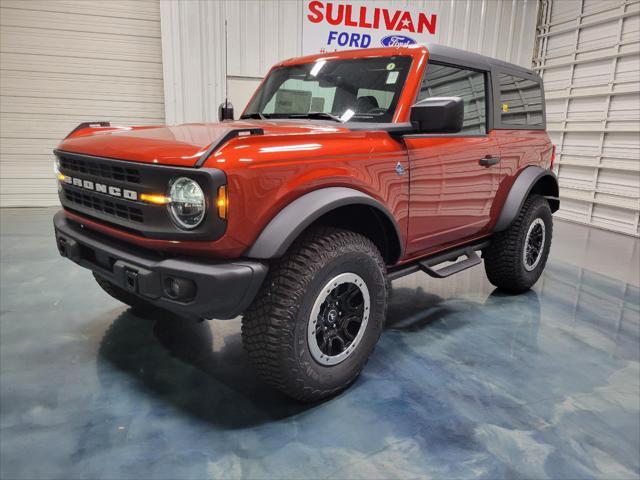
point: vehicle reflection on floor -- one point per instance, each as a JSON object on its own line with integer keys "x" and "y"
{"x": 465, "y": 383}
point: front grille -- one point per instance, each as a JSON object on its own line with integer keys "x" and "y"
{"x": 100, "y": 169}
{"x": 106, "y": 189}
{"x": 108, "y": 207}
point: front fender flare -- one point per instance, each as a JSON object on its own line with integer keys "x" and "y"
{"x": 292, "y": 220}
{"x": 520, "y": 190}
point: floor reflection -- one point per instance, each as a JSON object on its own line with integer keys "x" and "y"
{"x": 466, "y": 382}
{"x": 178, "y": 361}
{"x": 594, "y": 309}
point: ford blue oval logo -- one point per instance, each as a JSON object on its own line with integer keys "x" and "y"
{"x": 397, "y": 41}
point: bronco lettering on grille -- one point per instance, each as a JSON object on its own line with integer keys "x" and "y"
{"x": 101, "y": 188}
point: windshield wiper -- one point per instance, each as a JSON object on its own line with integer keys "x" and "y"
{"x": 316, "y": 115}
{"x": 256, "y": 115}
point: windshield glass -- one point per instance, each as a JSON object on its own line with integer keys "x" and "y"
{"x": 361, "y": 90}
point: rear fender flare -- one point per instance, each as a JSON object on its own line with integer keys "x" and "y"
{"x": 528, "y": 179}
{"x": 292, "y": 220}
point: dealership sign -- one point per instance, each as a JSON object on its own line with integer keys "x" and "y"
{"x": 343, "y": 25}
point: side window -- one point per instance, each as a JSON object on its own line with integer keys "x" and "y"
{"x": 520, "y": 101}
{"x": 445, "y": 81}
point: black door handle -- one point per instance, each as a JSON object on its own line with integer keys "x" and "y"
{"x": 488, "y": 161}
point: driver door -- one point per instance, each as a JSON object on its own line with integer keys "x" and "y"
{"x": 453, "y": 177}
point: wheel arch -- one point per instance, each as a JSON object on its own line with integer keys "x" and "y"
{"x": 340, "y": 207}
{"x": 532, "y": 180}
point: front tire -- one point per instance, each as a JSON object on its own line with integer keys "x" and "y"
{"x": 318, "y": 315}
{"x": 517, "y": 256}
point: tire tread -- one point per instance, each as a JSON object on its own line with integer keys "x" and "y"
{"x": 503, "y": 262}
{"x": 268, "y": 326}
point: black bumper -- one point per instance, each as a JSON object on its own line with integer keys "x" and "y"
{"x": 215, "y": 289}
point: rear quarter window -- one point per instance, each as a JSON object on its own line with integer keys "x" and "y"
{"x": 520, "y": 101}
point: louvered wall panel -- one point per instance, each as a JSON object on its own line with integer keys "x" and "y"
{"x": 63, "y": 63}
{"x": 589, "y": 56}
{"x": 263, "y": 32}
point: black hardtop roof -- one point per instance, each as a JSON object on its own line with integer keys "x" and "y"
{"x": 440, "y": 53}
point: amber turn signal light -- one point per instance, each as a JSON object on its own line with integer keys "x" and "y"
{"x": 154, "y": 198}
{"x": 222, "y": 202}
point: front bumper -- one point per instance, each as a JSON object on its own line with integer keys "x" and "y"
{"x": 215, "y": 289}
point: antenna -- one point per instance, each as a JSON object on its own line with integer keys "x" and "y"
{"x": 226, "y": 67}
{"x": 225, "y": 109}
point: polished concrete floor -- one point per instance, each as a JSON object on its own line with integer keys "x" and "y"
{"x": 465, "y": 383}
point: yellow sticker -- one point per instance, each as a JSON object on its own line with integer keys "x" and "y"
{"x": 505, "y": 107}
{"x": 391, "y": 66}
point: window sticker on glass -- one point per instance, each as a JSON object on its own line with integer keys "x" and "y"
{"x": 346, "y": 116}
{"x": 392, "y": 77}
{"x": 391, "y": 66}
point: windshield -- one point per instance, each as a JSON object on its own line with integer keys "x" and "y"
{"x": 361, "y": 90}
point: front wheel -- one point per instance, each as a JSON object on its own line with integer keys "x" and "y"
{"x": 517, "y": 256}
{"x": 319, "y": 314}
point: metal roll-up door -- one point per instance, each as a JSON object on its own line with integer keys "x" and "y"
{"x": 67, "y": 62}
{"x": 589, "y": 56}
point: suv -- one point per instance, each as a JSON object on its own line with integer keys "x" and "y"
{"x": 345, "y": 171}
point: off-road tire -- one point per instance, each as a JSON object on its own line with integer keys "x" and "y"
{"x": 274, "y": 328}
{"x": 503, "y": 259}
{"x": 122, "y": 295}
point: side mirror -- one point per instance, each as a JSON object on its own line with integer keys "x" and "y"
{"x": 438, "y": 115}
{"x": 225, "y": 111}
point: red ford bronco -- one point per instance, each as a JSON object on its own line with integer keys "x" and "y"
{"x": 346, "y": 170}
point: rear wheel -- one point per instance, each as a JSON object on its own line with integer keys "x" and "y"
{"x": 517, "y": 256}
{"x": 319, "y": 314}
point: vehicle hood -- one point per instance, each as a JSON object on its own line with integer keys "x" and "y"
{"x": 180, "y": 145}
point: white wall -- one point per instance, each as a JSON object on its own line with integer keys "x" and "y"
{"x": 589, "y": 58}
{"x": 262, "y": 33}
{"x": 192, "y": 59}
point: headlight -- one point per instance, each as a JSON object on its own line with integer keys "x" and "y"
{"x": 187, "y": 205}
{"x": 56, "y": 171}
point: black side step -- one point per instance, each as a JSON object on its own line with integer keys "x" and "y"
{"x": 471, "y": 261}
{"x": 427, "y": 265}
